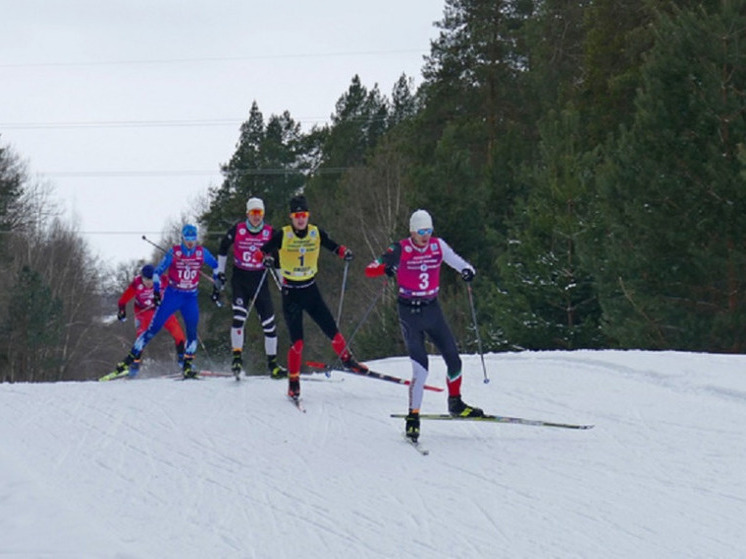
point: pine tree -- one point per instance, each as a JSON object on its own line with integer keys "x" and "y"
{"x": 548, "y": 299}
{"x": 404, "y": 103}
{"x": 269, "y": 163}
{"x": 33, "y": 328}
{"x": 670, "y": 256}
{"x": 12, "y": 177}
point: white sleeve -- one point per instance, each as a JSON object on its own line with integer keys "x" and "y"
{"x": 222, "y": 258}
{"x": 452, "y": 259}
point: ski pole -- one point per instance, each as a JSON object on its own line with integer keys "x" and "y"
{"x": 365, "y": 317}
{"x": 273, "y": 273}
{"x": 207, "y": 353}
{"x": 218, "y": 302}
{"x": 164, "y": 251}
{"x": 476, "y": 330}
{"x": 342, "y": 294}
{"x": 256, "y": 293}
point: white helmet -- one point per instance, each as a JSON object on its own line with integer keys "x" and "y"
{"x": 420, "y": 220}
{"x": 254, "y": 204}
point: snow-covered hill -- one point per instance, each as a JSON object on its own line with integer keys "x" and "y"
{"x": 154, "y": 468}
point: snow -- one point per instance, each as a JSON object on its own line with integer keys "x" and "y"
{"x": 217, "y": 468}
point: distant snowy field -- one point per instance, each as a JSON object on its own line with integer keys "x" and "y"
{"x": 153, "y": 468}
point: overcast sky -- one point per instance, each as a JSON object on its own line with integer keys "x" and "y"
{"x": 127, "y": 109}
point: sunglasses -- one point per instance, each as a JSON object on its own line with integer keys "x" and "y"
{"x": 299, "y": 215}
{"x": 256, "y": 213}
{"x": 427, "y": 231}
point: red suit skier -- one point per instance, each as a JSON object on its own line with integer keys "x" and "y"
{"x": 141, "y": 290}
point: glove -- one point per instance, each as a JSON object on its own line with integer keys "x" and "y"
{"x": 268, "y": 261}
{"x": 218, "y": 281}
{"x": 156, "y": 298}
{"x": 122, "y": 314}
{"x": 345, "y": 253}
{"x": 374, "y": 270}
{"x": 390, "y": 270}
{"x": 467, "y": 274}
{"x": 215, "y": 293}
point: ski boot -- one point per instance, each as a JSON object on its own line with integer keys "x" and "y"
{"x": 276, "y": 371}
{"x": 122, "y": 368}
{"x": 294, "y": 388}
{"x": 412, "y": 426}
{"x": 350, "y": 363}
{"x": 134, "y": 369}
{"x": 457, "y": 408}
{"x": 237, "y": 365}
{"x": 188, "y": 371}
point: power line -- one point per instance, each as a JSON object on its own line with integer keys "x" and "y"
{"x": 186, "y": 173}
{"x": 168, "y": 123}
{"x": 135, "y": 123}
{"x": 96, "y": 174}
{"x": 209, "y": 59}
{"x": 120, "y": 123}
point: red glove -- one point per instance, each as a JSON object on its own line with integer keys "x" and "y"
{"x": 266, "y": 259}
{"x": 374, "y": 270}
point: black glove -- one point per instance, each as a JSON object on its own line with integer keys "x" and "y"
{"x": 156, "y": 298}
{"x": 345, "y": 253}
{"x": 268, "y": 261}
{"x": 390, "y": 270}
{"x": 467, "y": 274}
{"x": 219, "y": 281}
{"x": 122, "y": 314}
{"x": 215, "y": 293}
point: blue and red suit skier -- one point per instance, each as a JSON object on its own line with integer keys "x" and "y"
{"x": 181, "y": 266}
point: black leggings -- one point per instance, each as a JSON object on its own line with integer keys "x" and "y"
{"x": 244, "y": 284}
{"x": 299, "y": 299}
{"x": 415, "y": 322}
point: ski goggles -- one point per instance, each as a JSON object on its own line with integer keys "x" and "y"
{"x": 299, "y": 215}
{"x": 426, "y": 231}
{"x": 256, "y": 212}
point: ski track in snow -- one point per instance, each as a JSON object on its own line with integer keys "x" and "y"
{"x": 219, "y": 468}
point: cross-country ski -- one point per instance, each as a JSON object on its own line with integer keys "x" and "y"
{"x": 417, "y": 445}
{"x": 497, "y": 419}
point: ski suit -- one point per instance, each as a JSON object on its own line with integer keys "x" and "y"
{"x": 181, "y": 267}
{"x": 248, "y": 273}
{"x": 298, "y": 253}
{"x": 142, "y": 295}
{"x": 417, "y": 271}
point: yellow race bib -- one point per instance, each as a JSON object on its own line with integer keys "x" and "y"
{"x": 299, "y": 256}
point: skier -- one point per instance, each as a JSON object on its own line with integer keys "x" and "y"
{"x": 248, "y": 277}
{"x": 141, "y": 290}
{"x": 298, "y": 246}
{"x": 183, "y": 262}
{"x": 415, "y": 263}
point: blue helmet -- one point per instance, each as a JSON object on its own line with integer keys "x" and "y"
{"x": 147, "y": 271}
{"x": 189, "y": 232}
